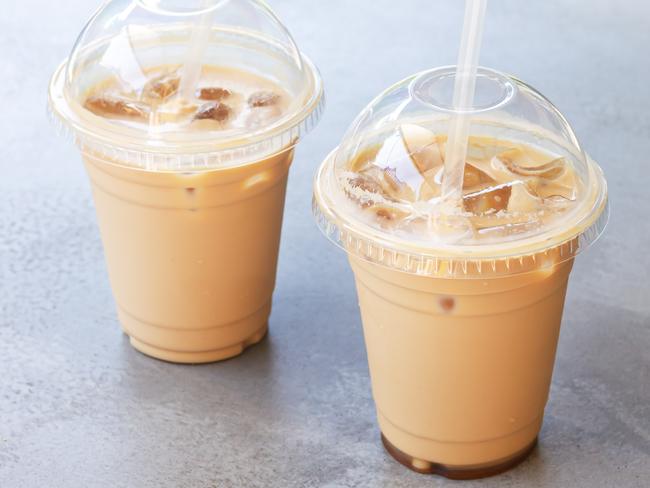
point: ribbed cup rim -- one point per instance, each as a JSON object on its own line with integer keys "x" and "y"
{"x": 207, "y": 154}
{"x": 539, "y": 253}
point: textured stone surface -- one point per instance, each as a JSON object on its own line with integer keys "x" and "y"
{"x": 80, "y": 408}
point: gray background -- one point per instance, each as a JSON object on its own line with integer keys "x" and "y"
{"x": 80, "y": 408}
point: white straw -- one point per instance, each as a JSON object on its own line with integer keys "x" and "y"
{"x": 464, "y": 89}
{"x": 196, "y": 53}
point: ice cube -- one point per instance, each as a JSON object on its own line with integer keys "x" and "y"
{"x": 365, "y": 183}
{"x": 116, "y": 107}
{"x": 361, "y": 189}
{"x": 474, "y": 177}
{"x": 522, "y": 200}
{"x": 176, "y": 110}
{"x": 214, "y": 93}
{"x": 427, "y": 192}
{"x": 516, "y": 162}
{"x": 161, "y": 87}
{"x": 493, "y": 169}
{"x": 563, "y": 185}
{"x": 543, "y": 177}
{"x": 262, "y": 116}
{"x": 479, "y": 150}
{"x": 423, "y": 146}
{"x": 263, "y": 99}
{"x": 394, "y": 188}
{"x": 387, "y": 184}
{"x": 557, "y": 204}
{"x": 426, "y": 152}
{"x": 388, "y": 214}
{"x": 489, "y": 200}
{"x": 213, "y": 111}
{"x": 449, "y": 224}
{"x": 412, "y": 157}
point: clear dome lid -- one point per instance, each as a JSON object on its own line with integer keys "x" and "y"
{"x": 529, "y": 189}
{"x": 168, "y": 84}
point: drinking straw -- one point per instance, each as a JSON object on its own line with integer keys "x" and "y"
{"x": 194, "y": 60}
{"x": 464, "y": 89}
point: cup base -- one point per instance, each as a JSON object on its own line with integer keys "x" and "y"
{"x": 456, "y": 472}
{"x": 201, "y": 357}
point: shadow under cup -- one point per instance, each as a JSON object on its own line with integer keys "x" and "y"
{"x": 191, "y": 256}
{"x": 460, "y": 368}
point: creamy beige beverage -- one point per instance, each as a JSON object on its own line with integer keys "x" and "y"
{"x": 508, "y": 188}
{"x": 195, "y": 282}
{"x": 461, "y": 302}
{"x": 187, "y": 131}
{"x": 452, "y": 397}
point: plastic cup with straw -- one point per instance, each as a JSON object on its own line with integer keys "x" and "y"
{"x": 461, "y": 290}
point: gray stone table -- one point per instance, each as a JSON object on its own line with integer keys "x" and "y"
{"x": 80, "y": 408}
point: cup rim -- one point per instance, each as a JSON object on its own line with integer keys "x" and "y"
{"x": 91, "y": 132}
{"x": 538, "y": 253}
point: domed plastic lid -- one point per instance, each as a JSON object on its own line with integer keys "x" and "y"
{"x": 177, "y": 84}
{"x": 531, "y": 196}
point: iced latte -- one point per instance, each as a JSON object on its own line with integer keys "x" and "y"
{"x": 188, "y": 171}
{"x": 461, "y": 302}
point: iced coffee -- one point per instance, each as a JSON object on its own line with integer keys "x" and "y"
{"x": 461, "y": 302}
{"x": 187, "y": 123}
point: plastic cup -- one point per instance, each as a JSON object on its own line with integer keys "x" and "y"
{"x": 189, "y": 193}
{"x": 461, "y": 312}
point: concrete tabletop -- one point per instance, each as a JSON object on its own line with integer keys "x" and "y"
{"x": 80, "y": 408}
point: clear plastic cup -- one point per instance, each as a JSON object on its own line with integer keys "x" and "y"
{"x": 461, "y": 305}
{"x": 187, "y": 114}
